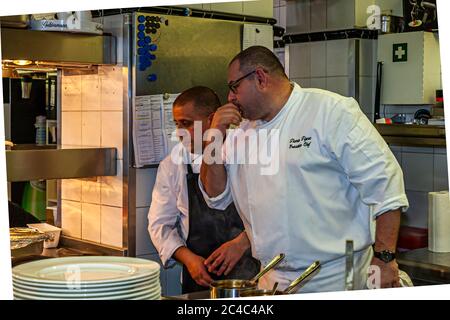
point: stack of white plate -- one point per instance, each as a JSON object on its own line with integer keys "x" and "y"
{"x": 87, "y": 278}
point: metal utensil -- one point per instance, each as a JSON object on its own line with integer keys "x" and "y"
{"x": 232, "y": 288}
{"x": 272, "y": 264}
{"x": 274, "y": 289}
{"x": 313, "y": 267}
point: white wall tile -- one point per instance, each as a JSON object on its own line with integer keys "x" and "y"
{"x": 319, "y": 83}
{"x": 339, "y": 85}
{"x": 71, "y": 93}
{"x": 91, "y": 128}
{"x": 276, "y": 14}
{"x": 282, "y": 17}
{"x": 340, "y": 14}
{"x": 418, "y": 171}
{"x": 303, "y": 82}
{"x": 111, "y": 88}
{"x": 145, "y": 180}
{"x": 318, "y": 59}
{"x": 418, "y": 150}
{"x": 144, "y": 243}
{"x": 417, "y": 214}
{"x": 230, "y": 7}
{"x": 367, "y": 57}
{"x": 71, "y": 128}
{"x": 367, "y": 94}
{"x": 90, "y": 92}
{"x": 71, "y": 218}
{"x": 111, "y": 226}
{"x": 71, "y": 189}
{"x": 112, "y": 188}
{"x": 90, "y": 222}
{"x": 90, "y": 190}
{"x": 440, "y": 172}
{"x": 440, "y": 150}
{"x": 259, "y": 8}
{"x": 318, "y": 15}
{"x": 112, "y": 131}
{"x": 338, "y": 57}
{"x": 299, "y": 60}
{"x": 298, "y": 16}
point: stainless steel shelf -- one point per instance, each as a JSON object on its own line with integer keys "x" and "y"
{"x": 30, "y": 162}
{"x": 413, "y": 135}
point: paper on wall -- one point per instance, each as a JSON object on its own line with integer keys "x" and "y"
{"x": 257, "y": 34}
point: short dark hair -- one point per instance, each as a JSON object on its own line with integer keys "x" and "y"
{"x": 259, "y": 56}
{"x": 204, "y": 99}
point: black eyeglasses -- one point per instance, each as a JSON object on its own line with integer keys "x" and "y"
{"x": 233, "y": 85}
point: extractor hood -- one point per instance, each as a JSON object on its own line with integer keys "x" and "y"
{"x": 58, "y": 49}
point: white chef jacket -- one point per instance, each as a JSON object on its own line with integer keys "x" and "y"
{"x": 170, "y": 204}
{"x": 336, "y": 175}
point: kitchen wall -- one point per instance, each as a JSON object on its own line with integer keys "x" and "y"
{"x": 259, "y": 8}
{"x": 332, "y": 65}
{"x": 317, "y": 64}
{"x": 92, "y": 116}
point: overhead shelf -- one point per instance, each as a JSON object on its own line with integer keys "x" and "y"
{"x": 30, "y": 162}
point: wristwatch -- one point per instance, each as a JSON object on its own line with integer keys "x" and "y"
{"x": 385, "y": 255}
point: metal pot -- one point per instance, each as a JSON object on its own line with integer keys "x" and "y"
{"x": 290, "y": 289}
{"x": 232, "y": 288}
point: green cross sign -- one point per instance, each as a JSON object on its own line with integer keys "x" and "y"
{"x": 400, "y": 52}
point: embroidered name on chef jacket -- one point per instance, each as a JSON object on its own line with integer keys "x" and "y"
{"x": 296, "y": 143}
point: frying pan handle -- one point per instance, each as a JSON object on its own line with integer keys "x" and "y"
{"x": 313, "y": 267}
{"x": 275, "y": 261}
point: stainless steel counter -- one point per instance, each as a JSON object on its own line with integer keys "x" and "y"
{"x": 426, "y": 267}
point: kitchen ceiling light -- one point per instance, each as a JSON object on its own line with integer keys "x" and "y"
{"x": 22, "y": 62}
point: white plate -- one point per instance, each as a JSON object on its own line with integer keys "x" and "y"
{"x": 86, "y": 270}
{"x": 119, "y": 285}
{"x": 86, "y": 294}
{"x": 141, "y": 295}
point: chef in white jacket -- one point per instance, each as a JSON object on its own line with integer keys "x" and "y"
{"x": 330, "y": 178}
{"x": 181, "y": 225}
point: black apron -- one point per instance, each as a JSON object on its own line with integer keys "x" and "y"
{"x": 208, "y": 230}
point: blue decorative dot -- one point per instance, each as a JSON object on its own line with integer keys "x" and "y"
{"x": 141, "y": 35}
{"x": 153, "y": 47}
{"x": 141, "y": 27}
{"x": 141, "y": 51}
{"x": 141, "y": 19}
{"x": 147, "y": 39}
{"x": 142, "y": 67}
{"x": 152, "y": 57}
{"x": 141, "y": 43}
{"x": 152, "y": 77}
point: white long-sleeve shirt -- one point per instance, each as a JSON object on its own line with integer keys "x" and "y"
{"x": 334, "y": 176}
{"x": 170, "y": 203}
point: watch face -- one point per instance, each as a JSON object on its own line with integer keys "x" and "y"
{"x": 386, "y": 256}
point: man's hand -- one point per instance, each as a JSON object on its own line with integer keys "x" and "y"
{"x": 223, "y": 260}
{"x": 389, "y": 273}
{"x": 225, "y": 116}
{"x": 198, "y": 271}
{"x": 194, "y": 264}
